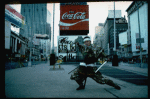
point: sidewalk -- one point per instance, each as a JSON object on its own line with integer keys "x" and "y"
{"x": 40, "y": 81}
{"x": 131, "y": 67}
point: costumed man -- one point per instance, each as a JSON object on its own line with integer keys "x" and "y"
{"x": 88, "y": 68}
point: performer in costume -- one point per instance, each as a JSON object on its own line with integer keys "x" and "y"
{"x": 88, "y": 68}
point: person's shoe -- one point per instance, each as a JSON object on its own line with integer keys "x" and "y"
{"x": 80, "y": 87}
{"x": 117, "y": 87}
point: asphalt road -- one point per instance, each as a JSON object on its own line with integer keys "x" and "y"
{"x": 40, "y": 81}
{"x": 124, "y": 75}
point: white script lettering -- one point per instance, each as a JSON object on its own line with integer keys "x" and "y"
{"x": 78, "y": 15}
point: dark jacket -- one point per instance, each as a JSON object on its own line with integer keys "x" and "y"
{"x": 90, "y": 56}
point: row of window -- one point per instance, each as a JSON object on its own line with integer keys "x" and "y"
{"x": 29, "y": 10}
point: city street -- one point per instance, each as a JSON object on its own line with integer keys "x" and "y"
{"x": 39, "y": 35}
{"x": 41, "y": 81}
{"x": 131, "y": 77}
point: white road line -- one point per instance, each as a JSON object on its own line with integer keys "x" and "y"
{"x": 132, "y": 78}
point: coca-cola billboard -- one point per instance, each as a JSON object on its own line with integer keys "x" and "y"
{"x": 74, "y": 18}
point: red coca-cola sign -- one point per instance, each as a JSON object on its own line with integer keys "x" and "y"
{"x": 74, "y": 17}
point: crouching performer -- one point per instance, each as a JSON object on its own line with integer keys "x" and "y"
{"x": 88, "y": 68}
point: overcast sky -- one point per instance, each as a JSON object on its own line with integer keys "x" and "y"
{"x": 98, "y": 12}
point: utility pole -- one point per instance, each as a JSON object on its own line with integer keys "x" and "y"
{"x": 139, "y": 36}
{"x": 31, "y": 39}
{"x": 114, "y": 30}
{"x": 115, "y": 57}
{"x": 52, "y": 56}
{"x": 53, "y": 26}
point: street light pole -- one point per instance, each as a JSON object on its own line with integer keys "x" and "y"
{"x": 115, "y": 57}
{"x": 53, "y": 27}
{"x": 139, "y": 36}
{"x": 114, "y": 30}
{"x": 31, "y": 38}
{"x": 52, "y": 56}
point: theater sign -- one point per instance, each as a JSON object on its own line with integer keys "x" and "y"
{"x": 74, "y": 19}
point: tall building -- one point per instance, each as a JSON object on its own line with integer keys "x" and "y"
{"x": 98, "y": 38}
{"x": 133, "y": 29}
{"x": 121, "y": 26}
{"x": 39, "y": 16}
{"x": 37, "y": 20}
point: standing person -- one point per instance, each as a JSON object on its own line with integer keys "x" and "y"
{"x": 87, "y": 68}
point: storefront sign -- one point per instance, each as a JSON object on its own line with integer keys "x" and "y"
{"x": 14, "y": 17}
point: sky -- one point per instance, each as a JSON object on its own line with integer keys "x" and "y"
{"x": 98, "y": 12}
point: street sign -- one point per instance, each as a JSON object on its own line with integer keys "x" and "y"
{"x": 41, "y": 36}
{"x": 138, "y": 40}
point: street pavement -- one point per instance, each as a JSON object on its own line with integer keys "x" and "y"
{"x": 41, "y": 81}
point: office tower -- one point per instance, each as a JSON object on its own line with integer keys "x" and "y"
{"x": 39, "y": 16}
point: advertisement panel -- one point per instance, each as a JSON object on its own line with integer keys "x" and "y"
{"x": 13, "y": 16}
{"x": 74, "y": 18}
{"x": 67, "y": 46}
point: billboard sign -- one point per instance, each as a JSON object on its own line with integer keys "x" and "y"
{"x": 67, "y": 45}
{"x": 74, "y": 18}
{"x": 13, "y": 16}
{"x": 41, "y": 36}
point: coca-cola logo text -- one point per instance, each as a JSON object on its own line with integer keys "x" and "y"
{"x": 78, "y": 15}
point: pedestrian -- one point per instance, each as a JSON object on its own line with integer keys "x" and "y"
{"x": 88, "y": 68}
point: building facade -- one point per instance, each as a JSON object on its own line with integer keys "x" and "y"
{"x": 39, "y": 16}
{"x": 37, "y": 20}
{"x": 98, "y": 38}
{"x": 134, "y": 25}
{"x": 45, "y": 47}
{"x": 121, "y": 26}
{"x": 16, "y": 46}
{"x": 123, "y": 51}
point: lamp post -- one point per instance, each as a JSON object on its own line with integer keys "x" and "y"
{"x": 115, "y": 57}
{"x": 52, "y": 56}
{"x": 139, "y": 35}
{"x": 31, "y": 38}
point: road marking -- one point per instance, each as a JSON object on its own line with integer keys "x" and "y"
{"x": 118, "y": 74}
{"x": 111, "y": 93}
{"x": 132, "y": 78}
